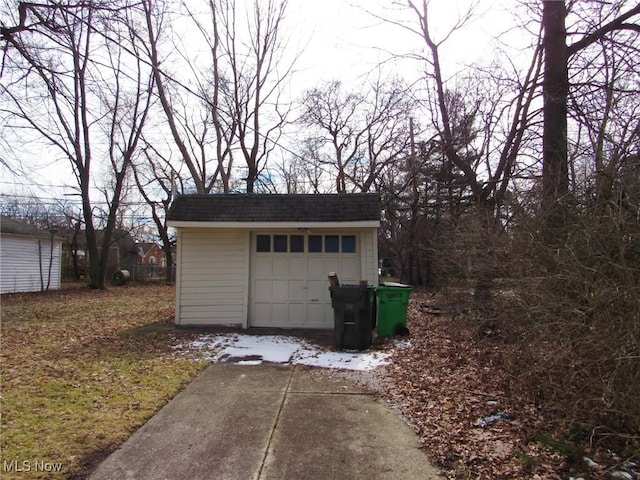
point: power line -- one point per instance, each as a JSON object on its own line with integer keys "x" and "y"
{"x": 37, "y": 185}
{"x": 57, "y": 201}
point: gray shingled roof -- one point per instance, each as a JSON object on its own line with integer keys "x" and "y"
{"x": 11, "y": 226}
{"x": 276, "y": 208}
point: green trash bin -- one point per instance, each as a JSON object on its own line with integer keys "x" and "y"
{"x": 392, "y": 305}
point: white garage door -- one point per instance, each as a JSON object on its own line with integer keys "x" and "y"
{"x": 289, "y": 286}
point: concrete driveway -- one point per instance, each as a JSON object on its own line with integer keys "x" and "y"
{"x": 270, "y": 422}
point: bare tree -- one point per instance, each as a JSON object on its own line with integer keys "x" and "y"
{"x": 604, "y": 110}
{"x": 198, "y": 118}
{"x": 489, "y": 183}
{"x": 232, "y": 107}
{"x": 558, "y": 54}
{"x": 358, "y": 135}
{"x": 454, "y": 186}
{"x": 156, "y": 181}
{"x": 255, "y": 69}
{"x": 75, "y": 82}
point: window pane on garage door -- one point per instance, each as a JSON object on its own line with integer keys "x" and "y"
{"x": 280, "y": 243}
{"x": 348, "y": 244}
{"x": 332, "y": 243}
{"x": 297, "y": 243}
{"x": 263, "y": 243}
{"x": 315, "y": 243}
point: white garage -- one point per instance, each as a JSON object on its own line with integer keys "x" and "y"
{"x": 30, "y": 258}
{"x": 263, "y": 260}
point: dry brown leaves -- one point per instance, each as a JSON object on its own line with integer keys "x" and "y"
{"x": 446, "y": 383}
{"x": 81, "y": 369}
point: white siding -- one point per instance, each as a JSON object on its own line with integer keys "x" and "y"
{"x": 369, "y": 260}
{"x": 213, "y": 277}
{"x": 20, "y": 267}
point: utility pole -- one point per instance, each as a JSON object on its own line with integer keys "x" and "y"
{"x": 415, "y": 202}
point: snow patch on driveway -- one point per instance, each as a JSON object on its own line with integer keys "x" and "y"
{"x": 256, "y": 349}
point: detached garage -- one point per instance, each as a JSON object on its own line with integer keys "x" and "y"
{"x": 262, "y": 260}
{"x": 29, "y": 258}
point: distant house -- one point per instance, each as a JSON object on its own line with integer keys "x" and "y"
{"x": 262, "y": 260}
{"x": 30, "y": 258}
{"x": 151, "y": 254}
{"x": 123, "y": 253}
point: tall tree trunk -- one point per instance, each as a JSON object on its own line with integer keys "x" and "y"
{"x": 555, "y": 162}
{"x": 555, "y": 173}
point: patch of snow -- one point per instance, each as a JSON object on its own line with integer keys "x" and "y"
{"x": 341, "y": 360}
{"x": 255, "y": 349}
{"x": 274, "y": 349}
{"x": 621, "y": 476}
{"x": 590, "y": 463}
{"x": 398, "y": 343}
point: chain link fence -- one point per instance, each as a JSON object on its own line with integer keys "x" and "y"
{"x": 153, "y": 273}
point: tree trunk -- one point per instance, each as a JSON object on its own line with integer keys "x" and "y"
{"x": 96, "y": 274}
{"x": 555, "y": 172}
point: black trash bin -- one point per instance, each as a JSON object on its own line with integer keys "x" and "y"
{"x": 352, "y": 312}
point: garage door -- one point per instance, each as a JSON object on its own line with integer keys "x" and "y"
{"x": 289, "y": 286}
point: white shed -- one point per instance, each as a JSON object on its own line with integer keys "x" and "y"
{"x": 262, "y": 260}
{"x": 29, "y": 258}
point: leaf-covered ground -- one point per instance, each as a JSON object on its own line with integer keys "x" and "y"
{"x": 81, "y": 371}
{"x": 456, "y": 384}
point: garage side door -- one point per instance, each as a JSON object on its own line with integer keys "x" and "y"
{"x": 289, "y": 287}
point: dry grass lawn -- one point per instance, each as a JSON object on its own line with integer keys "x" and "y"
{"x": 81, "y": 370}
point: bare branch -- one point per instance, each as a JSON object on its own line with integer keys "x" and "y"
{"x": 616, "y": 24}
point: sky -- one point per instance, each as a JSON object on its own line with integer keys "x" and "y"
{"x": 351, "y": 37}
{"x": 339, "y": 40}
